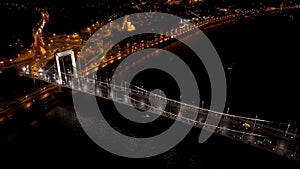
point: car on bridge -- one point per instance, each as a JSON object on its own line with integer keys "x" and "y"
{"x": 247, "y": 125}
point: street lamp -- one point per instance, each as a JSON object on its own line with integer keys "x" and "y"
{"x": 295, "y": 132}
{"x": 227, "y": 112}
{"x": 295, "y": 152}
{"x": 202, "y": 104}
{"x": 287, "y": 129}
{"x": 255, "y": 121}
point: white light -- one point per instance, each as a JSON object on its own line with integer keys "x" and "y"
{"x": 40, "y": 70}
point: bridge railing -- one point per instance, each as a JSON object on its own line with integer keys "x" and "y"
{"x": 261, "y": 134}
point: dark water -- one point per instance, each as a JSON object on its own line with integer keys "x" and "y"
{"x": 263, "y": 54}
{"x": 263, "y": 81}
{"x": 56, "y": 139}
{"x": 13, "y": 85}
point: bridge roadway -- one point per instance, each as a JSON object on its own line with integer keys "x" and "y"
{"x": 260, "y": 134}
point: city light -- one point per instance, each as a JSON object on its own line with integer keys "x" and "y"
{"x": 48, "y": 68}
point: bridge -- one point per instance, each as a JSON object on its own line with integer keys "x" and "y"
{"x": 279, "y": 138}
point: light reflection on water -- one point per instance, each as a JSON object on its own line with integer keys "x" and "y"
{"x": 58, "y": 133}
